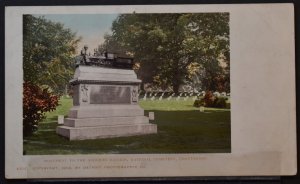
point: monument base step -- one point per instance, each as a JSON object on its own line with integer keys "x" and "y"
{"x": 92, "y": 122}
{"x": 98, "y": 132}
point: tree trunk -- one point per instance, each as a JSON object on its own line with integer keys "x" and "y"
{"x": 142, "y": 87}
{"x": 176, "y": 78}
{"x": 176, "y": 88}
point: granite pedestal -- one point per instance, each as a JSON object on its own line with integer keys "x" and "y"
{"x": 105, "y": 105}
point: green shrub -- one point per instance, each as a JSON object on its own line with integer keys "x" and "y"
{"x": 220, "y": 102}
{"x": 228, "y": 106}
{"x": 198, "y": 102}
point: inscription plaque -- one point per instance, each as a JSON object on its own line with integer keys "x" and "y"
{"x": 110, "y": 95}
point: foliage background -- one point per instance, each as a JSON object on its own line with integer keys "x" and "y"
{"x": 175, "y": 49}
{"x": 48, "y": 49}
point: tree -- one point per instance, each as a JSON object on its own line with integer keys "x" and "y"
{"x": 112, "y": 46}
{"x": 172, "y": 45}
{"x": 48, "y": 50}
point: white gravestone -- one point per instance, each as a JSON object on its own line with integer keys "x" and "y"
{"x": 60, "y": 119}
{"x": 217, "y": 94}
{"x": 185, "y": 98}
{"x": 145, "y": 96}
{"x": 178, "y": 97}
{"x": 160, "y": 98}
{"x": 151, "y": 115}
{"x": 170, "y": 97}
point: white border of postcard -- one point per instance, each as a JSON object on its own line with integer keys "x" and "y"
{"x": 263, "y": 115}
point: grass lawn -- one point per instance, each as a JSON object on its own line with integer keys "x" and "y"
{"x": 181, "y": 129}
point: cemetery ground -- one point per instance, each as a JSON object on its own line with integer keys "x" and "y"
{"x": 182, "y": 128}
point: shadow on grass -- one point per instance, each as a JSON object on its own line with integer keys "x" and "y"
{"x": 178, "y": 132}
{"x": 208, "y": 109}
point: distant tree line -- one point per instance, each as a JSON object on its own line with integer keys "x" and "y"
{"x": 175, "y": 49}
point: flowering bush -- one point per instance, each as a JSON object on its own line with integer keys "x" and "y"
{"x": 36, "y": 101}
{"x": 209, "y": 100}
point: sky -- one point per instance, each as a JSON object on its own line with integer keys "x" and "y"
{"x": 91, "y": 27}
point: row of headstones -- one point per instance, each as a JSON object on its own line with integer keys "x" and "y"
{"x": 183, "y": 95}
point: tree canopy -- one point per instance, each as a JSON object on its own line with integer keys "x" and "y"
{"x": 48, "y": 51}
{"x": 173, "y": 49}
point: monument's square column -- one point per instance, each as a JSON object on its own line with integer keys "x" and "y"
{"x": 105, "y": 104}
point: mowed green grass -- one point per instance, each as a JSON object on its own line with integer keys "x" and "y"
{"x": 182, "y": 128}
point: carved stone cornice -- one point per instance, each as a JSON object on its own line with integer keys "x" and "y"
{"x": 76, "y": 81}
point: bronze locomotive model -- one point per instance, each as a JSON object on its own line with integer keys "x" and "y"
{"x": 106, "y": 59}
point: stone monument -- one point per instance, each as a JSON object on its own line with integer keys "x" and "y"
{"x": 105, "y": 103}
